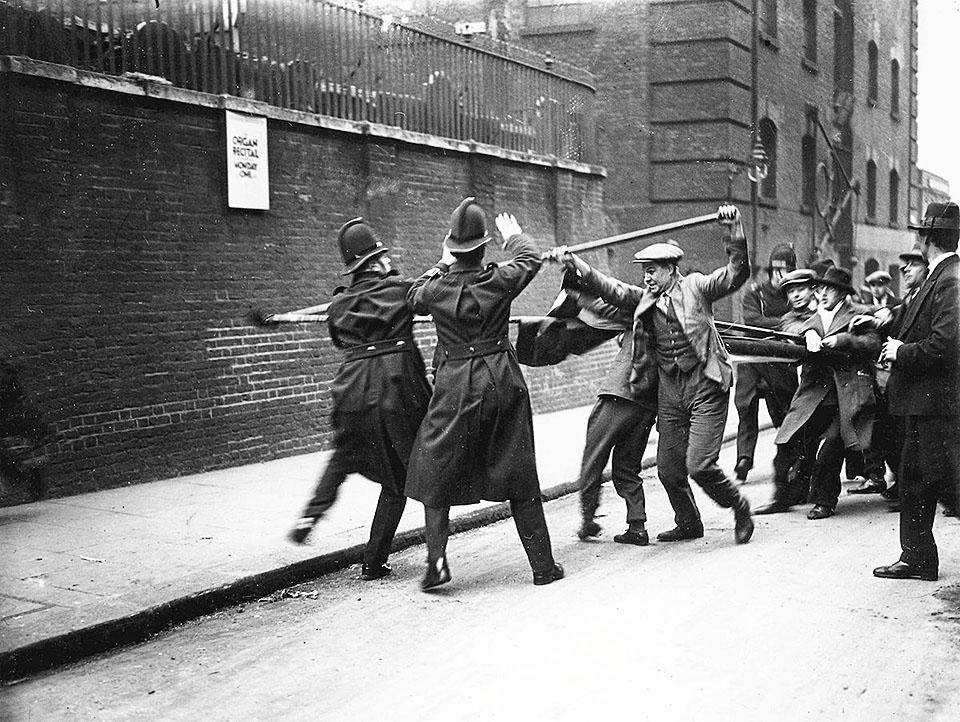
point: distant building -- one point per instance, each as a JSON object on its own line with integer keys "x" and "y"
{"x": 675, "y": 96}
{"x": 933, "y": 189}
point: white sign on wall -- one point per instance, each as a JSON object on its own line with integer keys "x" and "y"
{"x": 248, "y": 173}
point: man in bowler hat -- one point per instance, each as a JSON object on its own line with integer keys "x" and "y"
{"x": 924, "y": 390}
{"x": 380, "y": 392}
{"x": 676, "y": 345}
{"x": 476, "y": 440}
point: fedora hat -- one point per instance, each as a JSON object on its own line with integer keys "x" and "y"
{"x": 839, "y": 278}
{"x": 799, "y": 277}
{"x": 944, "y": 216}
{"x": 358, "y": 244}
{"x": 468, "y": 227}
{"x": 914, "y": 254}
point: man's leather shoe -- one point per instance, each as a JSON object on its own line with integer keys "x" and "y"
{"x": 743, "y": 523}
{"x": 551, "y": 575}
{"x": 891, "y": 493}
{"x": 374, "y": 571}
{"x": 437, "y": 573}
{"x": 902, "y": 570}
{"x": 774, "y": 507}
{"x": 299, "y": 533}
{"x": 950, "y": 511}
{"x": 681, "y": 533}
{"x": 589, "y": 529}
{"x": 742, "y": 468}
{"x": 869, "y": 486}
{"x": 820, "y": 512}
{"x": 639, "y": 538}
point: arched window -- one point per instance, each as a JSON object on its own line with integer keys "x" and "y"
{"x": 872, "y": 91}
{"x": 895, "y": 87}
{"x": 810, "y": 30}
{"x": 894, "y": 195}
{"x": 768, "y": 136}
{"x": 871, "y": 190}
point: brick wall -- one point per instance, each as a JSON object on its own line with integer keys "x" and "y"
{"x": 127, "y": 281}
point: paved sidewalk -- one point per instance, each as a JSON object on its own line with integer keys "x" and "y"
{"x": 83, "y": 573}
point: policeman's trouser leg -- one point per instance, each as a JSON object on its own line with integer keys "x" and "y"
{"x": 437, "y": 528}
{"x": 673, "y": 425}
{"x": 627, "y": 460}
{"x": 746, "y": 398}
{"x": 532, "y": 528}
{"x": 325, "y": 493}
{"x": 385, "y": 521}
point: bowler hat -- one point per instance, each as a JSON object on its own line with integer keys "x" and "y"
{"x": 838, "y": 278}
{"x": 799, "y": 277}
{"x": 358, "y": 245}
{"x": 914, "y": 254}
{"x": 468, "y": 227}
{"x": 878, "y": 277}
{"x": 939, "y": 216}
{"x": 783, "y": 256}
{"x": 659, "y": 253}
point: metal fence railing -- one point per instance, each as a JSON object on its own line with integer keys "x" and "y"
{"x": 320, "y": 57}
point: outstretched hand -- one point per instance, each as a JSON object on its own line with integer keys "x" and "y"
{"x": 508, "y": 226}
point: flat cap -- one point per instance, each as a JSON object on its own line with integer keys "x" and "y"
{"x": 878, "y": 277}
{"x": 798, "y": 277}
{"x": 659, "y": 253}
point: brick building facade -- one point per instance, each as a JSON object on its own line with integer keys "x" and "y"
{"x": 674, "y": 97}
{"x": 127, "y": 280}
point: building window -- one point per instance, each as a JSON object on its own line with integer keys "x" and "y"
{"x": 768, "y": 17}
{"x": 895, "y": 87}
{"x": 768, "y": 136}
{"x": 894, "y": 196}
{"x": 871, "y": 190}
{"x": 872, "y": 91}
{"x": 810, "y": 30}
{"x": 808, "y": 161}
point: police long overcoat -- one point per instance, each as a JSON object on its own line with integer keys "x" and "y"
{"x": 380, "y": 392}
{"x": 852, "y": 375}
{"x": 476, "y": 441}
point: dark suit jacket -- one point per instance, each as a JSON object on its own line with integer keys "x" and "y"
{"x": 851, "y": 376}
{"x": 925, "y": 380}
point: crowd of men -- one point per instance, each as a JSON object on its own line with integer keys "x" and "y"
{"x": 878, "y": 387}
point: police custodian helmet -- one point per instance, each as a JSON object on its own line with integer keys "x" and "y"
{"x": 358, "y": 245}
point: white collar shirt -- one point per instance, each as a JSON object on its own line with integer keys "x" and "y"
{"x": 938, "y": 261}
{"x": 826, "y": 317}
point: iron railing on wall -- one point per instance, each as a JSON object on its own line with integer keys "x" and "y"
{"x": 320, "y": 57}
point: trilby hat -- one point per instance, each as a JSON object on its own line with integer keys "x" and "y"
{"x": 839, "y": 278}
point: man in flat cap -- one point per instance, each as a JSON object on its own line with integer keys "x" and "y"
{"x": 380, "y": 392}
{"x": 476, "y": 440}
{"x": 924, "y": 390}
{"x": 881, "y": 295}
{"x": 676, "y": 344}
{"x": 763, "y": 306}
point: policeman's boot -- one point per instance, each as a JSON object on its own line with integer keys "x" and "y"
{"x": 743, "y": 521}
{"x": 300, "y": 532}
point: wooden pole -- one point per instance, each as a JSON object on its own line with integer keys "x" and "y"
{"x": 644, "y": 233}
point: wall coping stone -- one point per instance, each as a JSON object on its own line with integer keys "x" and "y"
{"x": 160, "y": 89}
